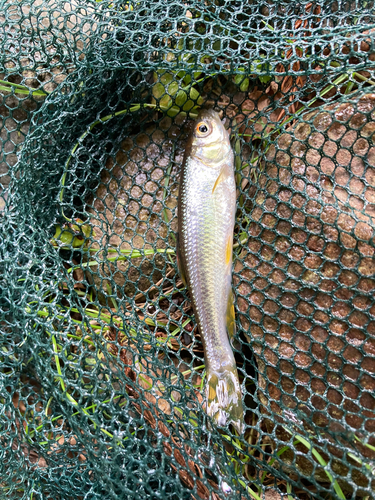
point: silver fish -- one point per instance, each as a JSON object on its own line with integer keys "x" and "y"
{"x": 206, "y": 213}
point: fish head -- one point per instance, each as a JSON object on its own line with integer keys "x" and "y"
{"x": 209, "y": 139}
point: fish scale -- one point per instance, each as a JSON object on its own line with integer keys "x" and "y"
{"x": 207, "y": 205}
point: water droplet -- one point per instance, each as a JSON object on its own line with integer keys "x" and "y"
{"x": 226, "y": 488}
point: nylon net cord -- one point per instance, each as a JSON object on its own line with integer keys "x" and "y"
{"x": 102, "y": 367}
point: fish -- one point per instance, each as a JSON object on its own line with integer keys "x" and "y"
{"x": 206, "y": 218}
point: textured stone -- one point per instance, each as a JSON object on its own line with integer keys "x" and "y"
{"x": 129, "y": 208}
{"x": 323, "y": 226}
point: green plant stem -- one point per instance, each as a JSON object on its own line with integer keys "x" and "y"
{"x": 133, "y": 254}
{"x": 128, "y": 253}
{"x": 166, "y": 184}
{"x": 369, "y": 446}
{"x": 249, "y": 490}
{"x": 48, "y": 405}
{"x": 320, "y": 459}
{"x": 21, "y": 89}
{"x": 114, "y": 301}
{"x": 289, "y": 490}
{"x": 70, "y": 399}
{"x": 94, "y": 405}
{"x": 187, "y": 372}
{"x": 325, "y": 91}
{"x": 186, "y": 322}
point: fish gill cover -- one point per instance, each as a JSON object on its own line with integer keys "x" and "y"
{"x": 102, "y": 373}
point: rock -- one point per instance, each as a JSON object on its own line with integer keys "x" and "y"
{"x": 272, "y": 495}
{"x": 129, "y": 208}
{"x": 307, "y": 281}
{"x": 39, "y": 54}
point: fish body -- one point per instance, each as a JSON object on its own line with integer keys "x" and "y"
{"x": 207, "y": 206}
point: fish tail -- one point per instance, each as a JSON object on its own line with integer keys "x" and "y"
{"x": 224, "y": 399}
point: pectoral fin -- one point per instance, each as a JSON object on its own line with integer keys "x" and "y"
{"x": 180, "y": 265}
{"x": 230, "y": 316}
{"x": 218, "y": 181}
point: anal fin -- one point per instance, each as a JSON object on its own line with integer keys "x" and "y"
{"x": 181, "y": 268}
{"x": 230, "y": 316}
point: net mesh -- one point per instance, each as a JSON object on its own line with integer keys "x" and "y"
{"x": 102, "y": 366}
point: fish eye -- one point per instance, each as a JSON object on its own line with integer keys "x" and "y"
{"x": 202, "y": 129}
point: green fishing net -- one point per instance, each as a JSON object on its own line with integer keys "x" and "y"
{"x": 102, "y": 370}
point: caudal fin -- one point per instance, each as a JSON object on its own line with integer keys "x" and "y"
{"x": 224, "y": 399}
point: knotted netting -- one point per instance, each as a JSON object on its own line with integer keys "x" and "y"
{"x": 102, "y": 371}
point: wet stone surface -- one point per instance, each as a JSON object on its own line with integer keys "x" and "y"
{"x": 305, "y": 290}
